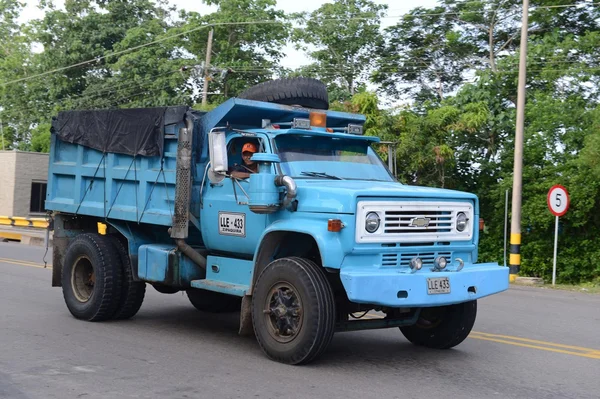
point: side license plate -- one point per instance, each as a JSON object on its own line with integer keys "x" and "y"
{"x": 438, "y": 285}
{"x": 232, "y": 224}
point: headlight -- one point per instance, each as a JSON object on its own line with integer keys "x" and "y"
{"x": 461, "y": 221}
{"x": 440, "y": 263}
{"x": 372, "y": 222}
{"x": 416, "y": 263}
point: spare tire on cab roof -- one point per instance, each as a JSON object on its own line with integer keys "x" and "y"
{"x": 304, "y": 92}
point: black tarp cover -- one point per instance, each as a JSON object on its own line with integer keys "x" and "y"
{"x": 136, "y": 131}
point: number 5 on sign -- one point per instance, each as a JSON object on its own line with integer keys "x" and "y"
{"x": 558, "y": 203}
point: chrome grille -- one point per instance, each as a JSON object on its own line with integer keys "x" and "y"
{"x": 410, "y": 221}
{"x": 406, "y": 222}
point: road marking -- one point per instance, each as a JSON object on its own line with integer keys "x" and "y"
{"x": 535, "y": 341}
{"x": 25, "y": 263}
{"x": 587, "y": 352}
{"x": 526, "y": 342}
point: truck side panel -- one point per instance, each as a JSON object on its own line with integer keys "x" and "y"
{"x": 114, "y": 186}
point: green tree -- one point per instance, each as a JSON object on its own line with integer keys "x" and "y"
{"x": 88, "y": 30}
{"x": 137, "y": 62}
{"x": 14, "y": 56}
{"x": 248, "y": 39}
{"x": 343, "y": 34}
{"x": 430, "y": 53}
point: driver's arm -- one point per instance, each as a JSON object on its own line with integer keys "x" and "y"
{"x": 240, "y": 175}
{"x": 239, "y": 172}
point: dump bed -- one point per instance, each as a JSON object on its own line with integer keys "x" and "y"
{"x": 117, "y": 164}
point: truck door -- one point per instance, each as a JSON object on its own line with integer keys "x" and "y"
{"x": 228, "y": 225}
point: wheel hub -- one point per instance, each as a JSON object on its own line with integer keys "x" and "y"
{"x": 283, "y": 312}
{"x": 83, "y": 279}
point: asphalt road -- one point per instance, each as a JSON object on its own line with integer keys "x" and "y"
{"x": 528, "y": 343}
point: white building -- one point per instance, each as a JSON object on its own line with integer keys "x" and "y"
{"x": 23, "y": 179}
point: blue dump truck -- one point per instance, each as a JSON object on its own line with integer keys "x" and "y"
{"x": 269, "y": 205}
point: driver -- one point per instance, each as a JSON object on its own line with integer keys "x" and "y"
{"x": 248, "y": 166}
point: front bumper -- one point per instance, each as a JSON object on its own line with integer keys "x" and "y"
{"x": 394, "y": 288}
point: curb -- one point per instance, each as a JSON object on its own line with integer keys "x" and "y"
{"x": 27, "y": 231}
{"x": 529, "y": 280}
{"x": 38, "y": 223}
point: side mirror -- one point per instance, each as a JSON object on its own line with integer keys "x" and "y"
{"x": 218, "y": 156}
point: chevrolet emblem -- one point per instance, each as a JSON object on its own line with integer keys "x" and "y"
{"x": 419, "y": 222}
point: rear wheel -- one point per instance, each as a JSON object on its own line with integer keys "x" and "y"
{"x": 213, "y": 302}
{"x": 91, "y": 278}
{"x": 293, "y": 311}
{"x": 132, "y": 292}
{"x": 304, "y": 92}
{"x": 442, "y": 327}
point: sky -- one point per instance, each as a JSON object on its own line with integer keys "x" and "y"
{"x": 293, "y": 59}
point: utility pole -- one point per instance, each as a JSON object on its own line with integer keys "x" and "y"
{"x": 515, "y": 225}
{"x": 207, "y": 67}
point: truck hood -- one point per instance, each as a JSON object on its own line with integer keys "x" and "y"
{"x": 341, "y": 196}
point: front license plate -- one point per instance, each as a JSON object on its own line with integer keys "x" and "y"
{"x": 438, "y": 285}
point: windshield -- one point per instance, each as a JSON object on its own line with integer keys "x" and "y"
{"x": 319, "y": 157}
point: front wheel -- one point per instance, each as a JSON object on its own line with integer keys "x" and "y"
{"x": 442, "y": 327}
{"x": 293, "y": 311}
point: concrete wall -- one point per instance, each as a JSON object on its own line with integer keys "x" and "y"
{"x": 18, "y": 171}
{"x": 31, "y": 166}
{"x": 8, "y": 161}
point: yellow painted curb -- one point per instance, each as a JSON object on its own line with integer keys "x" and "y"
{"x": 19, "y": 221}
{"x": 11, "y": 236}
{"x": 38, "y": 223}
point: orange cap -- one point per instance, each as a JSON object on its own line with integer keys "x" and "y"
{"x": 249, "y": 147}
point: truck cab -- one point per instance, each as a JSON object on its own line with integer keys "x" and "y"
{"x": 316, "y": 235}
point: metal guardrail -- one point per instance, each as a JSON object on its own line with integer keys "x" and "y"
{"x": 36, "y": 223}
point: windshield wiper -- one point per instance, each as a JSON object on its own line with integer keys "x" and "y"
{"x": 321, "y": 175}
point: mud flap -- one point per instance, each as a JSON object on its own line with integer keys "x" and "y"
{"x": 246, "y": 327}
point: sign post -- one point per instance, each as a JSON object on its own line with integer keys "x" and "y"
{"x": 558, "y": 203}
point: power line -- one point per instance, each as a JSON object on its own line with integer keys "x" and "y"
{"x": 401, "y": 64}
{"x": 382, "y": 71}
{"x": 243, "y": 23}
{"x": 127, "y": 85}
{"x": 85, "y": 96}
{"x": 390, "y": 69}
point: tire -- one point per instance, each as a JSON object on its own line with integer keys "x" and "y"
{"x": 442, "y": 327}
{"x": 308, "y": 302}
{"x": 132, "y": 292}
{"x": 91, "y": 278}
{"x": 305, "y": 92}
{"x": 165, "y": 289}
{"x": 213, "y": 302}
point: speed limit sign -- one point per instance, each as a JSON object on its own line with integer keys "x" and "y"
{"x": 558, "y": 200}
